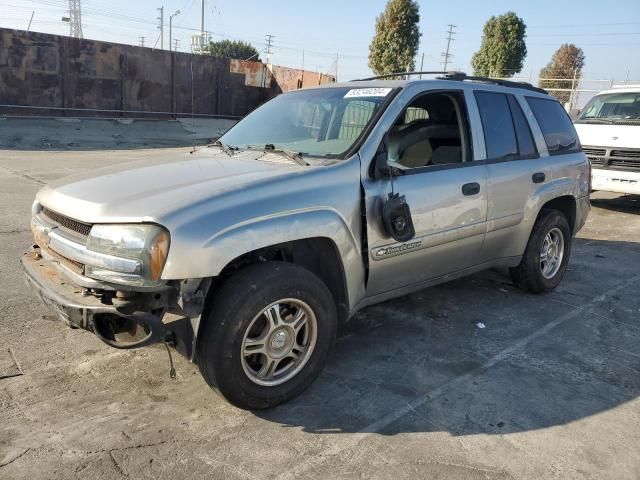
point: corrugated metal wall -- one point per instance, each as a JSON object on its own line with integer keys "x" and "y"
{"x": 50, "y": 71}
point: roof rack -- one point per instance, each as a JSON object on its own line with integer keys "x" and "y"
{"x": 495, "y": 81}
{"x": 460, "y": 76}
{"x": 404, "y": 74}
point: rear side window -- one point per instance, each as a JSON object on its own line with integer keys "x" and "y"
{"x": 558, "y": 131}
{"x": 526, "y": 145}
{"x": 499, "y": 134}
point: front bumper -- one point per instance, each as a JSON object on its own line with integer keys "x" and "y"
{"x": 90, "y": 312}
{"x": 618, "y": 181}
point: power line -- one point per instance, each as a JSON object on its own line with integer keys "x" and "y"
{"x": 582, "y": 25}
{"x": 608, "y": 34}
{"x": 446, "y": 55}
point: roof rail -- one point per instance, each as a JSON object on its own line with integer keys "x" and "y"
{"x": 460, "y": 76}
{"x": 404, "y": 74}
{"x": 496, "y": 81}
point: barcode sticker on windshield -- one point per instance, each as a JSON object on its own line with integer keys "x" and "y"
{"x": 367, "y": 92}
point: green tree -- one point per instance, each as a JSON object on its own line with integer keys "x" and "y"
{"x": 567, "y": 62}
{"x": 503, "y": 49}
{"x": 232, "y": 49}
{"x": 397, "y": 37}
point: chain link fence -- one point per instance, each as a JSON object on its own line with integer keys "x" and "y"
{"x": 574, "y": 93}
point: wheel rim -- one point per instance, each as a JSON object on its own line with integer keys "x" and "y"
{"x": 552, "y": 253}
{"x": 279, "y": 342}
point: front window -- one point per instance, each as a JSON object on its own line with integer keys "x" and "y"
{"x": 323, "y": 122}
{"x": 621, "y": 107}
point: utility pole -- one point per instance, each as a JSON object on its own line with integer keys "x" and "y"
{"x": 34, "y": 12}
{"x": 202, "y": 20}
{"x": 170, "y": 25}
{"x": 175, "y": 44}
{"x": 446, "y": 55}
{"x": 141, "y": 41}
{"x": 421, "y": 64}
{"x": 161, "y": 27}
{"x": 269, "y": 43}
{"x": 336, "y": 67}
{"x": 75, "y": 18}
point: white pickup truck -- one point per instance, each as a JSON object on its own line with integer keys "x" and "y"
{"x": 609, "y": 130}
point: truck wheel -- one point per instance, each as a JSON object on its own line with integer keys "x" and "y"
{"x": 545, "y": 260}
{"x": 267, "y": 334}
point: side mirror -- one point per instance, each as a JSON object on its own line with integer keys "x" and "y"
{"x": 381, "y": 160}
{"x": 396, "y": 218}
{"x": 396, "y": 214}
{"x": 386, "y": 151}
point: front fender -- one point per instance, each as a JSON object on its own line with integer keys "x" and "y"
{"x": 224, "y": 246}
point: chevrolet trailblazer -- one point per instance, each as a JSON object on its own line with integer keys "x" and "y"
{"x": 246, "y": 255}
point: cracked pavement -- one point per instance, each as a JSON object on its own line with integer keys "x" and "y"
{"x": 414, "y": 389}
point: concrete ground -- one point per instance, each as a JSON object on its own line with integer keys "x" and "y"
{"x": 548, "y": 388}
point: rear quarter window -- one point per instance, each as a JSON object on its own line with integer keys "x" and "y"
{"x": 559, "y": 133}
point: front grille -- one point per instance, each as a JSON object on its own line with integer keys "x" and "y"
{"x": 594, "y": 151}
{"x": 595, "y": 155}
{"x": 626, "y": 153}
{"x": 72, "y": 265}
{"x": 629, "y": 163}
{"x": 614, "y": 159}
{"x": 66, "y": 222}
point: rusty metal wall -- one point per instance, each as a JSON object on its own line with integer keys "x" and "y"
{"x": 51, "y": 71}
{"x": 294, "y": 78}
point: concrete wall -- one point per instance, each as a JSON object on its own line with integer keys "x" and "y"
{"x": 42, "y": 70}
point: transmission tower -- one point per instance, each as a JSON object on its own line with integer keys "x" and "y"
{"x": 446, "y": 55}
{"x": 75, "y": 18}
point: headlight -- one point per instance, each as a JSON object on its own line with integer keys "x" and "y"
{"x": 146, "y": 243}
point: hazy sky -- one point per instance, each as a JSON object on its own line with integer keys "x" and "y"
{"x": 608, "y": 32}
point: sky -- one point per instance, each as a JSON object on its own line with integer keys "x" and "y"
{"x": 314, "y": 34}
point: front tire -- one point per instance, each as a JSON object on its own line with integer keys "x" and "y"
{"x": 267, "y": 334}
{"x": 545, "y": 260}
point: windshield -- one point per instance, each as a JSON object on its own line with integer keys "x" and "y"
{"x": 323, "y": 122}
{"x": 612, "y": 108}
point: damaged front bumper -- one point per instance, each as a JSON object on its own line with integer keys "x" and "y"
{"x": 135, "y": 320}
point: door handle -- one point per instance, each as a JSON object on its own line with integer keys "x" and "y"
{"x": 472, "y": 188}
{"x": 538, "y": 177}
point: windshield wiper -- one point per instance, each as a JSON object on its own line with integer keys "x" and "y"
{"x": 270, "y": 147}
{"x": 596, "y": 121}
{"x": 229, "y": 149}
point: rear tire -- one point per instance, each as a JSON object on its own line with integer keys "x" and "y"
{"x": 267, "y": 334}
{"x": 550, "y": 240}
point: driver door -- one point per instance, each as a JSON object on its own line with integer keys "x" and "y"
{"x": 445, "y": 190}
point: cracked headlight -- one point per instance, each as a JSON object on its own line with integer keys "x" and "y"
{"x": 143, "y": 249}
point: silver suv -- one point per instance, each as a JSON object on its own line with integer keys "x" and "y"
{"x": 247, "y": 255}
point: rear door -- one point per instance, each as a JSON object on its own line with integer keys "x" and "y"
{"x": 515, "y": 170}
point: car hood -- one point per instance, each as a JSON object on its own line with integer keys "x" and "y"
{"x": 146, "y": 190}
{"x": 615, "y": 136}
